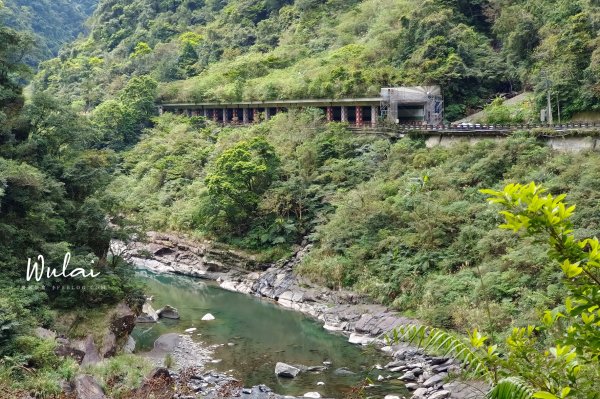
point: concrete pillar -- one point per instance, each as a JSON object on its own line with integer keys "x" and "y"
{"x": 358, "y": 115}
{"x": 255, "y": 115}
{"x": 215, "y": 115}
{"x": 245, "y": 117}
{"x": 330, "y": 114}
{"x": 225, "y": 118}
{"x": 205, "y": 113}
{"x": 374, "y": 115}
{"x": 161, "y": 110}
{"x": 235, "y": 117}
{"x": 267, "y": 114}
{"x": 344, "y": 114}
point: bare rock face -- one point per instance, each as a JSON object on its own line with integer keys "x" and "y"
{"x": 86, "y": 387}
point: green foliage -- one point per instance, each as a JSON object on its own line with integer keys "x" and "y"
{"x": 239, "y": 177}
{"x": 52, "y": 23}
{"x": 244, "y": 50}
{"x": 119, "y": 375}
{"x": 52, "y": 175}
{"x": 558, "y": 359}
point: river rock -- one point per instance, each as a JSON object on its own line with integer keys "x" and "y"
{"x": 148, "y": 314}
{"x": 285, "y": 370}
{"x": 319, "y": 383}
{"x": 420, "y": 393}
{"x": 360, "y": 339}
{"x": 440, "y": 395}
{"x": 208, "y": 317}
{"x": 434, "y": 380}
{"x": 86, "y": 387}
{"x": 343, "y": 371}
{"x": 312, "y": 395}
{"x": 129, "y": 346}
{"x": 168, "y": 312}
{"x": 408, "y": 376}
{"x": 391, "y": 397}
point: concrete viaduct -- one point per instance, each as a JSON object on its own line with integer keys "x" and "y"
{"x": 356, "y": 111}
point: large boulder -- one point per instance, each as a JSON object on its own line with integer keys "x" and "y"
{"x": 168, "y": 312}
{"x": 123, "y": 321}
{"x": 91, "y": 353}
{"x": 65, "y": 348}
{"x": 285, "y": 370}
{"x": 148, "y": 314}
{"x": 109, "y": 345}
{"x": 86, "y": 387}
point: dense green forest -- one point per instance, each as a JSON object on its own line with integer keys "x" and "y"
{"x": 85, "y": 153}
{"x": 51, "y": 171}
{"x": 50, "y": 23}
{"x": 240, "y": 49}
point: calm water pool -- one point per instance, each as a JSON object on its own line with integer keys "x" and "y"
{"x": 263, "y": 334}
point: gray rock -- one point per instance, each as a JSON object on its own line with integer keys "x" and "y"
{"x": 411, "y": 385}
{"x": 129, "y": 346}
{"x": 168, "y": 312}
{"x": 208, "y": 317}
{"x": 312, "y": 395}
{"x": 343, "y": 371}
{"x": 109, "y": 345}
{"x": 285, "y": 370}
{"x": 420, "y": 393}
{"x": 434, "y": 380}
{"x": 316, "y": 368}
{"x": 440, "y": 395}
{"x": 408, "y": 376}
{"x": 86, "y": 387}
{"x": 391, "y": 397}
{"x": 91, "y": 353}
{"x": 148, "y": 314}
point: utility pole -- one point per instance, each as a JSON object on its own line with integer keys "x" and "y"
{"x": 558, "y": 108}
{"x": 549, "y": 101}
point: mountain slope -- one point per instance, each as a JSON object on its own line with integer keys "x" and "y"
{"x": 241, "y": 49}
{"x": 53, "y": 23}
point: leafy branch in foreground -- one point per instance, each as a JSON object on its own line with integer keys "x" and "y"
{"x": 569, "y": 366}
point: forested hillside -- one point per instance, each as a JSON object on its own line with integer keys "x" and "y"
{"x": 50, "y": 23}
{"x": 241, "y": 49}
{"x": 50, "y": 175}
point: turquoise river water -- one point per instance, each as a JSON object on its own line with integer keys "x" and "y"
{"x": 263, "y": 334}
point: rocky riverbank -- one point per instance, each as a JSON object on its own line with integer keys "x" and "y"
{"x": 343, "y": 312}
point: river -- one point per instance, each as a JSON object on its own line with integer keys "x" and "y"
{"x": 255, "y": 334}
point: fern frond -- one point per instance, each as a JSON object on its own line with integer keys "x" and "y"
{"x": 510, "y": 388}
{"x": 445, "y": 344}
